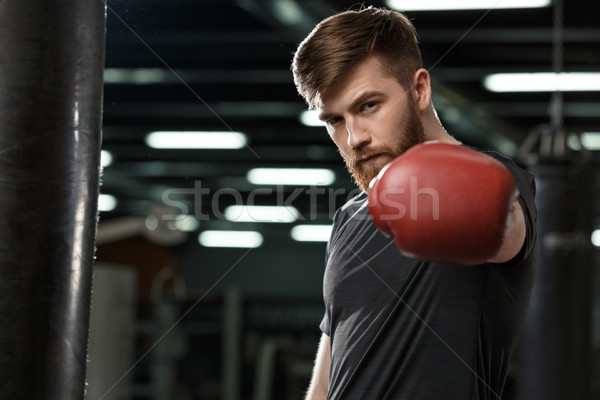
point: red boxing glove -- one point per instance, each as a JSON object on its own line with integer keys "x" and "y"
{"x": 444, "y": 203}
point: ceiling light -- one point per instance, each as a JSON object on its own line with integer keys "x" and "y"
{"x": 311, "y": 118}
{"x": 596, "y": 238}
{"x": 188, "y": 223}
{"x": 311, "y": 233}
{"x": 242, "y": 239}
{"x": 439, "y": 5}
{"x": 151, "y": 222}
{"x": 196, "y": 140}
{"x": 137, "y": 76}
{"x": 543, "y": 82}
{"x": 106, "y": 158}
{"x": 291, "y": 176}
{"x": 591, "y": 140}
{"x": 288, "y": 11}
{"x": 281, "y": 214}
{"x": 106, "y": 202}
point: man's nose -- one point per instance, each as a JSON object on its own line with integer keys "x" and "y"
{"x": 357, "y": 135}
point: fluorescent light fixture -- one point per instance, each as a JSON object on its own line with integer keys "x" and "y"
{"x": 311, "y": 233}
{"x": 311, "y": 118}
{"x": 280, "y": 214}
{"x": 596, "y": 238}
{"x": 591, "y": 140}
{"x": 196, "y": 140}
{"x": 291, "y": 176}
{"x": 106, "y": 202}
{"x": 241, "y": 239}
{"x": 106, "y": 158}
{"x": 151, "y": 222}
{"x": 188, "y": 223}
{"x": 288, "y": 11}
{"x": 543, "y": 82}
{"x": 573, "y": 142}
{"x": 439, "y": 5}
{"x": 137, "y": 76}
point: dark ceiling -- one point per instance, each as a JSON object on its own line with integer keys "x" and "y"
{"x": 224, "y": 65}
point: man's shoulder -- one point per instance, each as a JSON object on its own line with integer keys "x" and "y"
{"x": 356, "y": 208}
{"x": 355, "y": 203}
{"x": 507, "y": 161}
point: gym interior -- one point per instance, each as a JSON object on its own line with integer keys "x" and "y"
{"x": 200, "y": 275}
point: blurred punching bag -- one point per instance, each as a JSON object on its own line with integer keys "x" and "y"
{"x": 555, "y": 347}
{"x": 554, "y": 356}
{"x": 51, "y": 67}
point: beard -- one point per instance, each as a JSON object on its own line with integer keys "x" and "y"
{"x": 411, "y": 133}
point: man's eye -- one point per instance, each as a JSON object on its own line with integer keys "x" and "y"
{"x": 333, "y": 120}
{"x": 369, "y": 105}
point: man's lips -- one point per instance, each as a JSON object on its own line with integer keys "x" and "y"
{"x": 369, "y": 159}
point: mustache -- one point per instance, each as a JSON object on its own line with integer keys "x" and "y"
{"x": 354, "y": 157}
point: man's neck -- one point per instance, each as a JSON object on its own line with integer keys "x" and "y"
{"x": 437, "y": 133}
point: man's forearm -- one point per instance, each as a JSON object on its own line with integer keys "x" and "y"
{"x": 319, "y": 383}
{"x": 316, "y": 391}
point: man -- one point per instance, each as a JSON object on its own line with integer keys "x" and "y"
{"x": 396, "y": 326}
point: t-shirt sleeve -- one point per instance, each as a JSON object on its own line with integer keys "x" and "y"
{"x": 324, "y": 325}
{"x": 526, "y": 183}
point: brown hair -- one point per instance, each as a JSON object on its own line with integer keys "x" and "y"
{"x": 343, "y": 40}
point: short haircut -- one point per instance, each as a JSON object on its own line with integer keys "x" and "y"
{"x": 340, "y": 42}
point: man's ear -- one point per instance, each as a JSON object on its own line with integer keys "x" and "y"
{"x": 421, "y": 89}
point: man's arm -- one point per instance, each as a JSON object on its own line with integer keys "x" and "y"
{"x": 463, "y": 213}
{"x": 514, "y": 235}
{"x": 319, "y": 383}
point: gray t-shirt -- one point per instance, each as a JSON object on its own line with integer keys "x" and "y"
{"x": 401, "y": 328}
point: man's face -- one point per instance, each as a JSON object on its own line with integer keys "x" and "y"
{"x": 371, "y": 118}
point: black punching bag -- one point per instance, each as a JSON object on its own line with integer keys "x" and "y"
{"x": 555, "y": 351}
{"x": 555, "y": 348}
{"x": 51, "y": 66}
